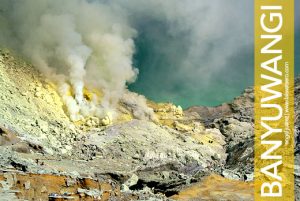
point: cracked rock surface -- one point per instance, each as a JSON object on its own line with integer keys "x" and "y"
{"x": 43, "y": 154}
{"x": 136, "y": 159}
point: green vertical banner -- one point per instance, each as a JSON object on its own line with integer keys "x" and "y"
{"x": 274, "y": 100}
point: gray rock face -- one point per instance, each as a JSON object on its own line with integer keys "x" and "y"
{"x": 235, "y": 120}
{"x": 209, "y": 114}
{"x": 238, "y": 128}
{"x": 236, "y": 123}
{"x": 163, "y": 155}
{"x": 146, "y": 141}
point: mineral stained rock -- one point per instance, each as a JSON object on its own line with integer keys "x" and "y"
{"x": 213, "y": 188}
{"x": 157, "y": 152}
{"x": 143, "y": 154}
{"x": 235, "y": 120}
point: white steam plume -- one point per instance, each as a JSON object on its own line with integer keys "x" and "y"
{"x": 90, "y": 42}
{"x": 78, "y": 43}
{"x": 194, "y": 47}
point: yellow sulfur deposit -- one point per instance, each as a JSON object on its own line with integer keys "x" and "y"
{"x": 90, "y": 94}
{"x": 107, "y": 120}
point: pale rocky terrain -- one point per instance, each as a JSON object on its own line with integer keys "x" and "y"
{"x": 46, "y": 156}
{"x": 235, "y": 120}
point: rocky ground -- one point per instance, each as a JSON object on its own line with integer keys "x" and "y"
{"x": 46, "y": 156}
{"x": 235, "y": 120}
{"x": 238, "y": 128}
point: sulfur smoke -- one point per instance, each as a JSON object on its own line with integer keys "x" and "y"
{"x": 200, "y": 51}
{"x": 77, "y": 43}
{"x": 188, "y": 52}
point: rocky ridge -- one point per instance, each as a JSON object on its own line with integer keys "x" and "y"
{"x": 136, "y": 157}
{"x": 235, "y": 120}
{"x": 131, "y": 158}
